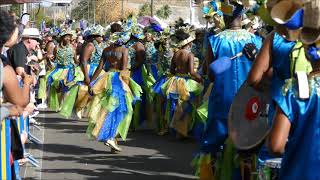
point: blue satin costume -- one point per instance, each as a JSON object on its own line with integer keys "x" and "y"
{"x": 281, "y": 49}
{"x": 301, "y": 159}
{"x": 227, "y": 43}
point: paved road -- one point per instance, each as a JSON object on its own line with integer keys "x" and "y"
{"x": 68, "y": 154}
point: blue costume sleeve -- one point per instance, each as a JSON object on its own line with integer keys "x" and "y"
{"x": 285, "y": 102}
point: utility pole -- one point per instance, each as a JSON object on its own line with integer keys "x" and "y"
{"x": 191, "y": 12}
{"x": 94, "y": 12}
{"x": 122, "y": 10}
{"x": 151, "y": 8}
{"x": 88, "y": 10}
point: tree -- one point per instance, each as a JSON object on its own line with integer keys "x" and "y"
{"x": 108, "y": 11}
{"x": 84, "y": 10}
{"x": 41, "y": 16}
{"x": 164, "y": 12}
{"x": 15, "y": 8}
{"x": 145, "y": 10}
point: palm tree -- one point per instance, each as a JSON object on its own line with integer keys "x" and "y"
{"x": 164, "y": 12}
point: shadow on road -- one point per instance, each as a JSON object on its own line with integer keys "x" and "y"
{"x": 68, "y": 154}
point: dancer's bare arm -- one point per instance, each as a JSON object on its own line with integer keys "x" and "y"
{"x": 99, "y": 69}
{"x": 124, "y": 59}
{"x": 279, "y": 133}
{"x": 262, "y": 63}
{"x": 195, "y": 75}
{"x": 84, "y": 61}
{"x": 13, "y": 93}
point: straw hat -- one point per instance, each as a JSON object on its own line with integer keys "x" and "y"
{"x": 271, "y": 3}
{"x": 32, "y": 33}
{"x": 288, "y": 13}
{"x": 191, "y": 38}
{"x": 311, "y": 26}
{"x": 290, "y": 35}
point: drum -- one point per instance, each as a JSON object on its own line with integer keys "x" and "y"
{"x": 248, "y": 117}
{"x": 271, "y": 169}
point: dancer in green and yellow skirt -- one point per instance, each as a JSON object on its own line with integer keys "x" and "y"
{"x": 181, "y": 88}
{"x": 64, "y": 79}
{"x": 116, "y": 91}
{"x": 89, "y": 61}
{"x": 139, "y": 73}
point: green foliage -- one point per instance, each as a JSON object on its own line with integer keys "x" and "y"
{"x": 42, "y": 16}
{"x": 164, "y": 12}
{"x": 81, "y": 11}
{"x": 145, "y": 10}
{"x": 16, "y": 9}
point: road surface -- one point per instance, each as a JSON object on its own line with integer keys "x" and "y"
{"x": 66, "y": 153}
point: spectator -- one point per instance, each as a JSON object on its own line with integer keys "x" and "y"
{"x": 18, "y": 53}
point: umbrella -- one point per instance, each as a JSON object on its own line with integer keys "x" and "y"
{"x": 147, "y": 21}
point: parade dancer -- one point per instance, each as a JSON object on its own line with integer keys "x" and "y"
{"x": 63, "y": 80}
{"x": 182, "y": 87}
{"x": 48, "y": 65}
{"x": 165, "y": 54}
{"x": 152, "y": 60}
{"x": 198, "y": 50}
{"x": 227, "y": 81}
{"x": 139, "y": 72}
{"x": 117, "y": 92}
{"x": 89, "y": 60}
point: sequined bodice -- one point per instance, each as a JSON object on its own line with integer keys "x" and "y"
{"x": 64, "y": 56}
{"x": 132, "y": 54}
{"x": 97, "y": 53}
{"x": 165, "y": 60}
{"x": 151, "y": 53}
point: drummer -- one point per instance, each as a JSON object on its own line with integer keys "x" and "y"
{"x": 273, "y": 64}
{"x": 295, "y": 130}
{"x": 226, "y": 84}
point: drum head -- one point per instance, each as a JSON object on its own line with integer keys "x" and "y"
{"x": 248, "y": 118}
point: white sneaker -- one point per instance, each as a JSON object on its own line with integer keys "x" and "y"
{"x": 34, "y": 114}
{"x": 79, "y": 114}
{"x": 42, "y": 106}
{"x": 112, "y": 144}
